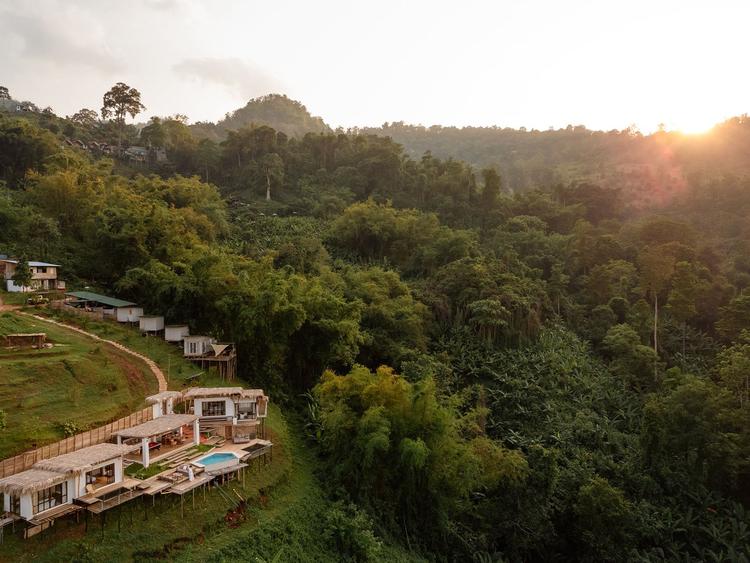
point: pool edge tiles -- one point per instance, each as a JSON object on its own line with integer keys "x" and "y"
{"x": 228, "y": 459}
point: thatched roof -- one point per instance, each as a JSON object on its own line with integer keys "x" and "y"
{"x": 29, "y": 481}
{"x": 157, "y": 426}
{"x": 194, "y": 392}
{"x": 201, "y": 392}
{"x": 84, "y": 458}
{"x": 163, "y": 395}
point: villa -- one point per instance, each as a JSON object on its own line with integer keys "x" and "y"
{"x": 48, "y": 490}
{"x": 233, "y": 413}
{"x": 218, "y": 433}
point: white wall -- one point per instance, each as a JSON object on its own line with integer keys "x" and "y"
{"x": 176, "y": 333}
{"x": 151, "y": 324}
{"x": 129, "y": 314}
{"x": 202, "y": 345}
{"x": 11, "y": 286}
{"x": 27, "y": 509}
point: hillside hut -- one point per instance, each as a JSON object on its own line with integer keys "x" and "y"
{"x": 129, "y": 314}
{"x": 34, "y": 340}
{"x": 176, "y": 333}
{"x": 151, "y": 323}
{"x": 197, "y": 345}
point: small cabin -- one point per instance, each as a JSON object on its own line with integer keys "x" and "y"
{"x": 34, "y": 340}
{"x": 151, "y": 323}
{"x": 197, "y": 345}
{"x": 176, "y": 333}
{"x": 129, "y": 314}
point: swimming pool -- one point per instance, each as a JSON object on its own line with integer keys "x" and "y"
{"x": 217, "y": 460}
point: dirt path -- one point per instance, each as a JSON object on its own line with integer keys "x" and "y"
{"x": 4, "y": 307}
{"x": 149, "y": 362}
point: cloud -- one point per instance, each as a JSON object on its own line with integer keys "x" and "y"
{"x": 47, "y": 37}
{"x": 240, "y": 77}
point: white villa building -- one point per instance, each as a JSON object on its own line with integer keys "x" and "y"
{"x": 93, "y": 477}
{"x": 47, "y": 490}
{"x": 234, "y": 413}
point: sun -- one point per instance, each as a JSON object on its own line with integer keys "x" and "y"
{"x": 693, "y": 124}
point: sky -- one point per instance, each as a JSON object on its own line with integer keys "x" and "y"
{"x": 511, "y": 63}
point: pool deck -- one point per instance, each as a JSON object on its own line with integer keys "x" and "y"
{"x": 155, "y": 486}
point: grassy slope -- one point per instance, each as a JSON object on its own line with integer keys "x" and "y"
{"x": 288, "y": 521}
{"x": 167, "y": 356}
{"x": 77, "y": 380}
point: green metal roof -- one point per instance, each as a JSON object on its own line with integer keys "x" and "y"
{"x": 103, "y": 299}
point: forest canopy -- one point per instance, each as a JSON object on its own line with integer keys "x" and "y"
{"x": 494, "y": 361}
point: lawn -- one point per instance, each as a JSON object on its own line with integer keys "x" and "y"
{"x": 78, "y": 381}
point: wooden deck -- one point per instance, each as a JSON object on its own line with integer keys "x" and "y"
{"x": 94, "y": 502}
{"x": 53, "y": 514}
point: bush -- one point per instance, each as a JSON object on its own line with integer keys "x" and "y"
{"x": 349, "y": 531}
{"x": 70, "y": 428}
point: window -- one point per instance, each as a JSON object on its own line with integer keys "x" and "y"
{"x": 214, "y": 408}
{"x": 51, "y": 497}
{"x": 193, "y": 347}
{"x": 15, "y": 504}
{"x": 42, "y": 270}
{"x": 246, "y": 409}
{"x": 101, "y": 476}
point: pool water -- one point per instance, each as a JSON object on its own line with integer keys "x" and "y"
{"x": 213, "y": 459}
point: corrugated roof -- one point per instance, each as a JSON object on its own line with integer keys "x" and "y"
{"x": 32, "y": 263}
{"x": 97, "y": 298}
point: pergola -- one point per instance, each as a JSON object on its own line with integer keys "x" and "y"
{"x": 158, "y": 427}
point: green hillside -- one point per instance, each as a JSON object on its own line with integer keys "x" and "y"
{"x": 274, "y": 110}
{"x": 78, "y": 382}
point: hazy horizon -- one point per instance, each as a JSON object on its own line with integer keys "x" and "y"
{"x": 536, "y": 64}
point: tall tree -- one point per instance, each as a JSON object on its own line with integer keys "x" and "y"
{"x": 273, "y": 169}
{"x": 492, "y": 186}
{"x": 4, "y": 94}
{"x": 22, "y": 276}
{"x": 656, "y": 270}
{"x": 86, "y": 117}
{"x": 121, "y": 100}
{"x": 490, "y": 193}
{"x": 682, "y": 297}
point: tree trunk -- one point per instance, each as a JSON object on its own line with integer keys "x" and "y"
{"x": 268, "y": 187}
